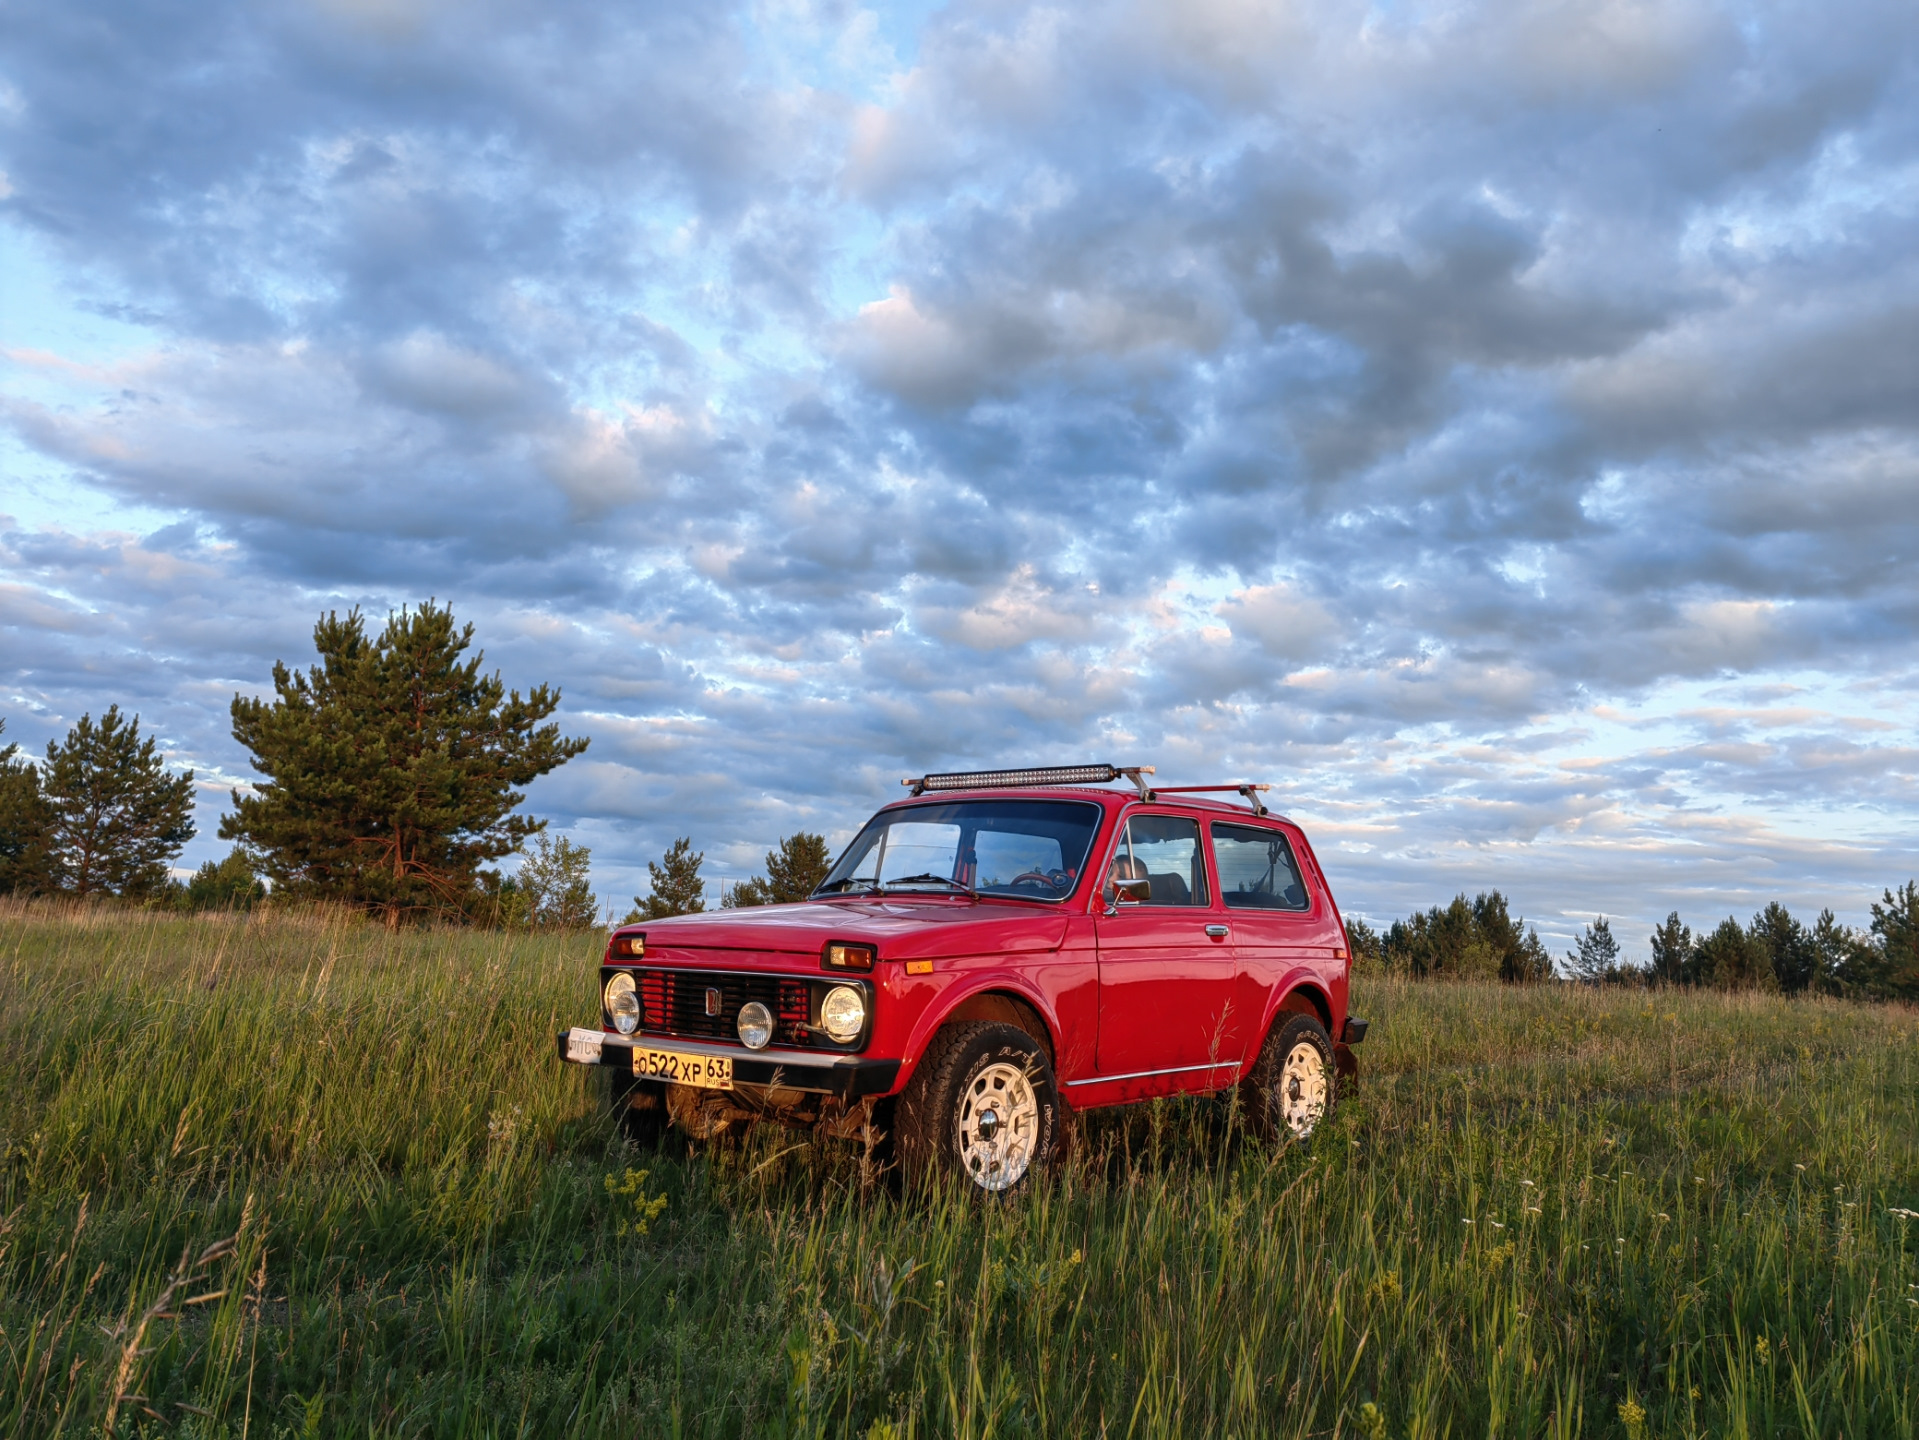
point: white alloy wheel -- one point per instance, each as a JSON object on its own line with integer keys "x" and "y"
{"x": 998, "y": 1126}
{"x": 1302, "y": 1088}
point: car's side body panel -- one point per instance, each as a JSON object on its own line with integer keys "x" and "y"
{"x": 1148, "y": 955}
{"x": 1061, "y": 988}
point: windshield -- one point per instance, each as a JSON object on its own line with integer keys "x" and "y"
{"x": 1034, "y": 849}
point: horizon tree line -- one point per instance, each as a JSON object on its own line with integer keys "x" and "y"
{"x": 392, "y": 779}
{"x": 1775, "y": 953}
{"x": 392, "y": 773}
{"x": 794, "y": 870}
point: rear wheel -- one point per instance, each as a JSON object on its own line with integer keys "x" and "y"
{"x": 982, "y": 1106}
{"x": 1291, "y": 1087}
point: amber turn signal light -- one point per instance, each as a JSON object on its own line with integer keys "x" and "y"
{"x": 848, "y": 957}
{"x": 630, "y": 945}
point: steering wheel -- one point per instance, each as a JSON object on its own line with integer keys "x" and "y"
{"x": 1051, "y": 879}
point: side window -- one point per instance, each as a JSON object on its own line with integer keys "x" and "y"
{"x": 1165, "y": 850}
{"x": 1257, "y": 870}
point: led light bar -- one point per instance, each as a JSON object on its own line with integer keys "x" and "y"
{"x": 1044, "y": 775}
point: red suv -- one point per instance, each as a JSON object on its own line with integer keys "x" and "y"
{"x": 995, "y": 951}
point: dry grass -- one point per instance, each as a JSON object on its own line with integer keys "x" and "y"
{"x": 1548, "y": 1212}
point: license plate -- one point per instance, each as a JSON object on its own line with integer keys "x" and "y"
{"x": 583, "y": 1046}
{"x": 708, "y": 1072}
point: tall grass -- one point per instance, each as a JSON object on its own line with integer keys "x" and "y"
{"x": 292, "y": 1175}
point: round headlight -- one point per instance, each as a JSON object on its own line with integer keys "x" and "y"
{"x": 843, "y": 1013}
{"x": 755, "y": 1025}
{"x": 623, "y": 1003}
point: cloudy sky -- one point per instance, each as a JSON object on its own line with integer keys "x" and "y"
{"x": 1497, "y": 425}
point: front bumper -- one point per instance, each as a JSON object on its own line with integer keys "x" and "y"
{"x": 848, "y": 1076}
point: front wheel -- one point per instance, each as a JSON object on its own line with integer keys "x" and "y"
{"x": 982, "y": 1105}
{"x": 1291, "y": 1086}
{"x": 638, "y": 1107}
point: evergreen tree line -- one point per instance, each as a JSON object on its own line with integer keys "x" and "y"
{"x": 1775, "y": 953}
{"x": 794, "y": 871}
{"x": 391, "y": 777}
{"x": 391, "y": 774}
{"x": 1477, "y": 939}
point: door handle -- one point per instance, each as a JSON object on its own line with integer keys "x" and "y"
{"x": 1218, "y": 932}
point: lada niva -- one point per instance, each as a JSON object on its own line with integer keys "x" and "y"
{"x": 991, "y": 954}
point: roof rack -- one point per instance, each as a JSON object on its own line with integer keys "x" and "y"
{"x": 1044, "y": 775}
{"x": 1079, "y": 775}
{"x": 1248, "y": 791}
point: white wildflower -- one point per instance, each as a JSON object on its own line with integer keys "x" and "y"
{"x": 503, "y": 1125}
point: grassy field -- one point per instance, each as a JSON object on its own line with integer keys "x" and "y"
{"x": 301, "y": 1177}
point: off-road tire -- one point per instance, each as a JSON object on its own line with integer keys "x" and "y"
{"x": 1277, "y": 1103}
{"x": 638, "y": 1107}
{"x": 948, "y": 1119}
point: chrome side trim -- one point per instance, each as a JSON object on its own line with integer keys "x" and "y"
{"x": 1145, "y": 1074}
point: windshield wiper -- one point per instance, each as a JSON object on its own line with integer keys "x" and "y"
{"x": 840, "y": 887}
{"x": 959, "y": 885}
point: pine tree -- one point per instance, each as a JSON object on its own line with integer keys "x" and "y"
{"x": 1362, "y": 944}
{"x": 555, "y": 877}
{"x": 796, "y": 870}
{"x": 25, "y": 823}
{"x": 1840, "y": 949}
{"x": 228, "y": 884}
{"x": 1468, "y": 939}
{"x": 746, "y": 894}
{"x": 1888, "y": 968}
{"x": 677, "y": 887}
{"x": 1672, "y": 949}
{"x": 793, "y": 872}
{"x": 116, "y": 816}
{"x": 1594, "y": 957}
{"x": 1789, "y": 948}
{"x": 1522, "y": 958}
{"x": 1444, "y": 944}
{"x": 501, "y": 902}
{"x": 391, "y": 767}
{"x": 1732, "y": 959}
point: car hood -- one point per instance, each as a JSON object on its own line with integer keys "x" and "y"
{"x": 901, "y": 929}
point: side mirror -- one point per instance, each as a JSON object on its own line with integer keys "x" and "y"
{"x": 1132, "y": 892}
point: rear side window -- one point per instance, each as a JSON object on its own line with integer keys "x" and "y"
{"x": 1257, "y": 870}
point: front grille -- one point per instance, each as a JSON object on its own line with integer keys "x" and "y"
{"x": 673, "y": 1002}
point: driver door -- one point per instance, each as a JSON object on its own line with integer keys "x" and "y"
{"x": 1167, "y": 971}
